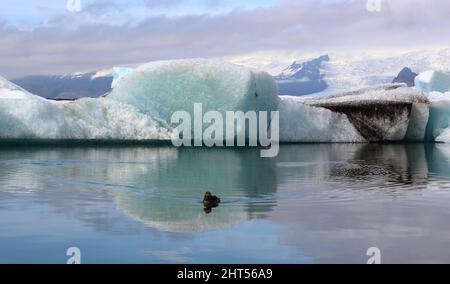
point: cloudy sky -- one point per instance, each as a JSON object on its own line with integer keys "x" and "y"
{"x": 44, "y": 37}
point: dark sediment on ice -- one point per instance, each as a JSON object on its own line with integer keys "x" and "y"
{"x": 377, "y": 117}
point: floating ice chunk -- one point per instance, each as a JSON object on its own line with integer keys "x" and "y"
{"x": 85, "y": 119}
{"x": 141, "y": 105}
{"x": 382, "y": 113}
{"x": 151, "y": 93}
{"x": 26, "y": 116}
{"x": 118, "y": 74}
{"x": 433, "y": 81}
{"x": 161, "y": 88}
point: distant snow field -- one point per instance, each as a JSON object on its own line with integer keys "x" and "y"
{"x": 350, "y": 71}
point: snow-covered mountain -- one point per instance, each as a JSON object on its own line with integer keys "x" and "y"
{"x": 302, "y": 78}
{"x": 298, "y": 79}
{"x": 406, "y": 76}
{"x": 346, "y": 72}
{"x": 68, "y": 87}
{"x": 350, "y": 71}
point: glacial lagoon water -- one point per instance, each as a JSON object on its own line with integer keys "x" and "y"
{"x": 314, "y": 203}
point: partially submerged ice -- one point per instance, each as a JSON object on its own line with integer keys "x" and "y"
{"x": 27, "y": 116}
{"x": 141, "y": 104}
{"x": 433, "y": 81}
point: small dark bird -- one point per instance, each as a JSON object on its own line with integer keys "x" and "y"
{"x": 210, "y": 201}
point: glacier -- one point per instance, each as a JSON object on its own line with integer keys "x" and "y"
{"x": 140, "y": 106}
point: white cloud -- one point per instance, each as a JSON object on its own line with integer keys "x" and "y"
{"x": 100, "y": 37}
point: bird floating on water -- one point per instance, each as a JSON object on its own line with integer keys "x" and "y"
{"x": 210, "y": 201}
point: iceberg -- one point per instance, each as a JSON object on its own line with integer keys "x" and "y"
{"x": 161, "y": 88}
{"x": 390, "y": 112}
{"x": 27, "y": 116}
{"x": 433, "y": 81}
{"x": 141, "y": 104}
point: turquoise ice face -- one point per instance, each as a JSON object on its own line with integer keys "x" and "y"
{"x": 161, "y": 88}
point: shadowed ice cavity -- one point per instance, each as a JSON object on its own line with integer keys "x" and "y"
{"x": 163, "y": 187}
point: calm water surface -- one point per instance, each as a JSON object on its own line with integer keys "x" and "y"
{"x": 312, "y": 204}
